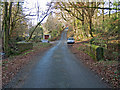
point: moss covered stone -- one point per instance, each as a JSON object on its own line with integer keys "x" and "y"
{"x": 96, "y": 52}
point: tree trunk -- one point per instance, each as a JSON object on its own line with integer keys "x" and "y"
{"x": 90, "y": 24}
{"x": 109, "y": 9}
{"x": 103, "y": 16}
{"x": 9, "y": 16}
{"x": 13, "y": 22}
{"x": 83, "y": 17}
{"x": 74, "y": 26}
{"x": 85, "y": 34}
{"x": 6, "y": 31}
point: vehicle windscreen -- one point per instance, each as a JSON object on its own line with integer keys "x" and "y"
{"x": 70, "y": 38}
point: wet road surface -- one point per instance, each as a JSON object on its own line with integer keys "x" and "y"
{"x": 59, "y": 68}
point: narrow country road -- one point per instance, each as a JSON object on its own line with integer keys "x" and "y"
{"x": 59, "y": 68}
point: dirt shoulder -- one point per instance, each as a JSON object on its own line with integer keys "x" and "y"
{"x": 107, "y": 70}
{"x": 12, "y": 65}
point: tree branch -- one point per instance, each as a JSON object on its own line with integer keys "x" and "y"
{"x": 40, "y": 21}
